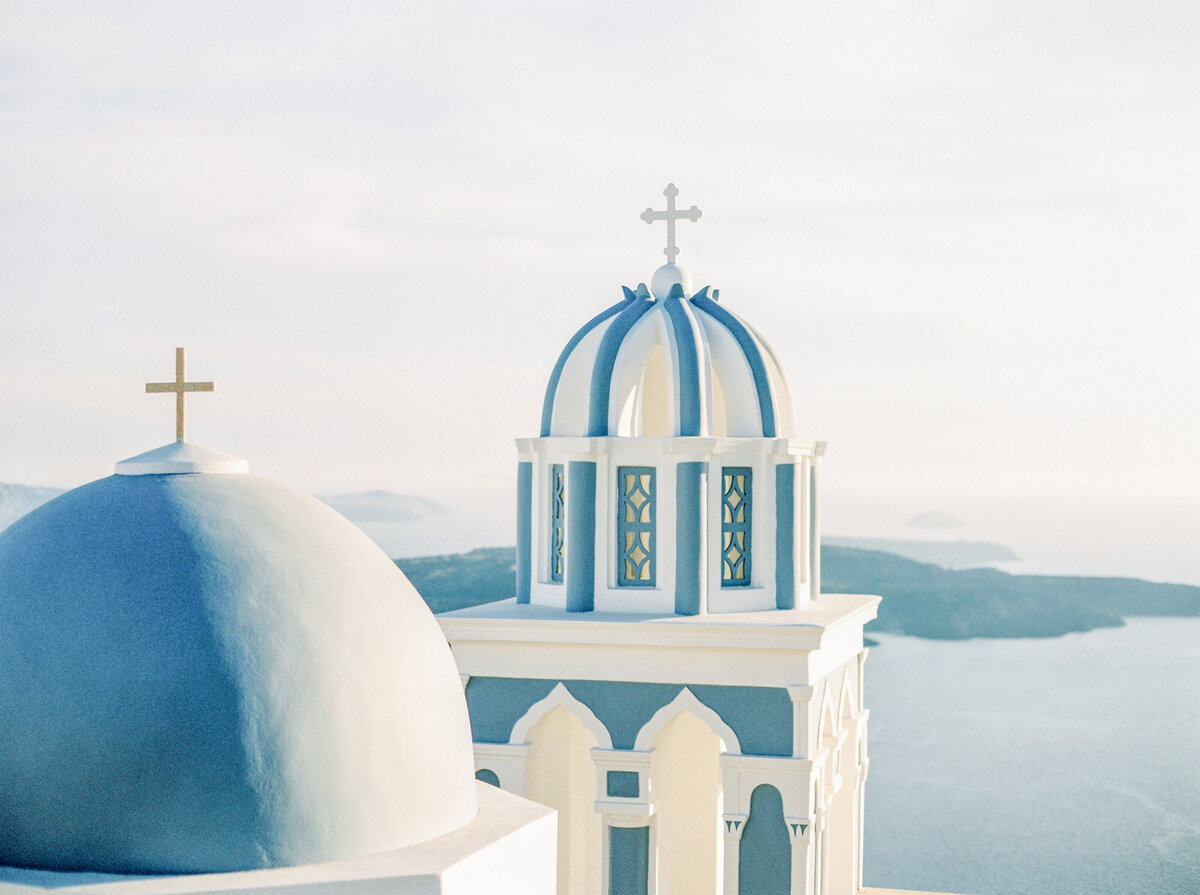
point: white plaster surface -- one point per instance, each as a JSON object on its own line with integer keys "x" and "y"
{"x": 508, "y": 849}
{"x": 182, "y": 457}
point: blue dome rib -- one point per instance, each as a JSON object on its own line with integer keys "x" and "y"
{"x": 762, "y": 384}
{"x": 606, "y": 359}
{"x": 689, "y": 363}
{"x": 556, "y": 374}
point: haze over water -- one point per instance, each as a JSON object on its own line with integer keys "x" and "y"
{"x": 1030, "y": 767}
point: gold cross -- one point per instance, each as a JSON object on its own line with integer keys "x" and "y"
{"x": 179, "y": 387}
{"x": 670, "y": 216}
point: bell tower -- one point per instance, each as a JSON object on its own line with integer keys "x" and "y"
{"x": 669, "y": 675}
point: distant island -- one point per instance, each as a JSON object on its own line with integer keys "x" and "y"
{"x": 919, "y": 599}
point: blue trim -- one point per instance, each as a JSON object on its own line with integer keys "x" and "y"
{"x": 606, "y": 360}
{"x": 760, "y": 716}
{"x": 690, "y": 485}
{"x": 556, "y": 374}
{"x": 622, "y": 784}
{"x": 581, "y": 536}
{"x": 737, "y": 525}
{"x": 765, "y": 854}
{"x": 524, "y": 530}
{"x": 488, "y": 776}
{"x": 628, "y": 860}
{"x": 785, "y": 536}
{"x": 762, "y": 383}
{"x": 689, "y": 364}
{"x": 637, "y": 525}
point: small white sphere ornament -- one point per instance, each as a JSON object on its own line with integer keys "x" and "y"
{"x": 666, "y": 277}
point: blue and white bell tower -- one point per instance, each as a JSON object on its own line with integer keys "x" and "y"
{"x": 667, "y": 477}
{"x": 669, "y": 675}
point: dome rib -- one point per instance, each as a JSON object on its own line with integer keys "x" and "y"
{"x": 556, "y": 374}
{"x": 689, "y": 347}
{"x": 606, "y": 359}
{"x": 762, "y": 381}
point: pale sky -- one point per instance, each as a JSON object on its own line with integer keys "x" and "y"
{"x": 969, "y": 230}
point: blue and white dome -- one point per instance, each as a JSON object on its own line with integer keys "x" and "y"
{"x": 662, "y": 364}
{"x": 203, "y": 671}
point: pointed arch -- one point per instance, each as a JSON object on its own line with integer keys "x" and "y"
{"x": 828, "y": 725}
{"x": 846, "y": 708}
{"x": 686, "y": 701}
{"x": 560, "y": 696}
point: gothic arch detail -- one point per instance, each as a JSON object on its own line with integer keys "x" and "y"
{"x": 560, "y": 696}
{"x": 686, "y": 701}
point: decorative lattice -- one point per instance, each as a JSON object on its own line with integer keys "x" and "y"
{"x": 557, "y": 521}
{"x": 735, "y": 525}
{"x": 635, "y": 526}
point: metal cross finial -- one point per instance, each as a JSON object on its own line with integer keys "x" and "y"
{"x": 179, "y": 387}
{"x": 670, "y": 216}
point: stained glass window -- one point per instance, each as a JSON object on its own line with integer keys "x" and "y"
{"x": 735, "y": 525}
{"x": 635, "y": 526}
{"x": 557, "y": 520}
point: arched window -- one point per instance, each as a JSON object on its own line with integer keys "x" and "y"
{"x": 736, "y": 517}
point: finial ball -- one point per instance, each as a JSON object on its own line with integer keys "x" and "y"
{"x": 666, "y": 277}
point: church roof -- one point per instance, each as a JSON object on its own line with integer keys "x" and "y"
{"x": 208, "y": 671}
{"x": 662, "y": 363}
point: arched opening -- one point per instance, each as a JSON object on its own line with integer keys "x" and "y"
{"x": 841, "y": 825}
{"x": 765, "y": 856}
{"x": 488, "y": 776}
{"x": 559, "y": 773}
{"x": 685, "y": 774}
{"x": 655, "y": 417}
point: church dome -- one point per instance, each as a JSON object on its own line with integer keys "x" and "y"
{"x": 208, "y": 671}
{"x": 662, "y": 364}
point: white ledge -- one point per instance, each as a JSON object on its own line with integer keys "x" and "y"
{"x": 180, "y": 457}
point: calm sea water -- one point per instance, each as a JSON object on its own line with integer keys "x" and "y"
{"x": 1068, "y": 765}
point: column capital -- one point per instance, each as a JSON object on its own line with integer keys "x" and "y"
{"x": 735, "y": 825}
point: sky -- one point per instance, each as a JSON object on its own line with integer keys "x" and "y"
{"x": 969, "y": 230}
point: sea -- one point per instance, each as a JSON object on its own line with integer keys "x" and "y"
{"x": 1036, "y": 767}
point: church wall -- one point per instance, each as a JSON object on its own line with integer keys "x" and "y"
{"x": 761, "y": 717}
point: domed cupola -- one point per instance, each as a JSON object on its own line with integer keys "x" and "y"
{"x": 204, "y": 671}
{"x": 666, "y": 477}
{"x": 663, "y": 362}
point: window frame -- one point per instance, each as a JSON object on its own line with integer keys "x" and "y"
{"x": 730, "y": 529}
{"x": 558, "y": 522}
{"x": 637, "y": 527}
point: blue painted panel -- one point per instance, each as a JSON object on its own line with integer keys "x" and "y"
{"x": 690, "y": 485}
{"x": 487, "y": 776}
{"x": 813, "y": 555}
{"x": 762, "y": 384}
{"x": 524, "y": 530}
{"x": 637, "y": 523}
{"x": 581, "y": 536}
{"x": 684, "y": 327}
{"x": 556, "y": 373}
{"x": 765, "y": 855}
{"x": 622, "y": 784}
{"x": 760, "y": 716}
{"x": 606, "y": 359}
{"x": 628, "y": 860}
{"x": 785, "y": 536}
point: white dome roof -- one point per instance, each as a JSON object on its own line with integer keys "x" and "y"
{"x": 213, "y": 672}
{"x": 666, "y": 365}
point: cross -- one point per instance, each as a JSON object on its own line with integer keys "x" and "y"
{"x": 179, "y": 387}
{"x": 670, "y": 216}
